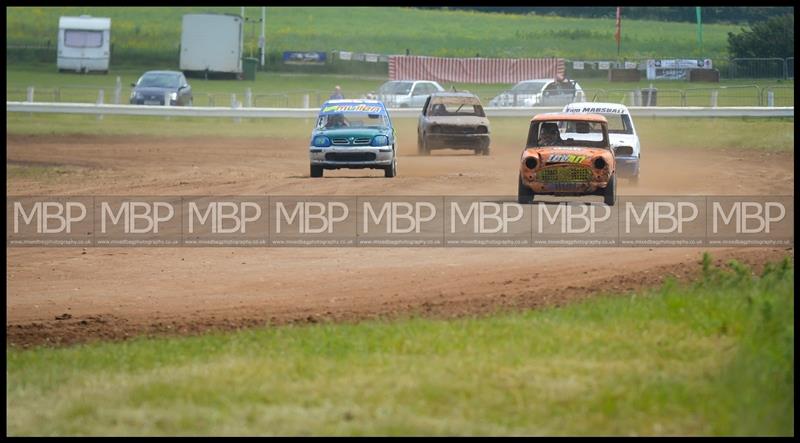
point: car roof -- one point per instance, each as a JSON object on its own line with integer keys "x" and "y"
{"x": 592, "y": 107}
{"x": 355, "y": 101}
{"x": 560, "y": 116}
{"x": 453, "y": 94}
{"x": 411, "y": 81}
{"x": 164, "y": 72}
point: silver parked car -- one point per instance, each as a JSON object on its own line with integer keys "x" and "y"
{"x": 406, "y": 93}
{"x": 540, "y": 92}
{"x": 155, "y": 87}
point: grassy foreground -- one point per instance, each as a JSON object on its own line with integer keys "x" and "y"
{"x": 654, "y": 133}
{"x": 715, "y": 357}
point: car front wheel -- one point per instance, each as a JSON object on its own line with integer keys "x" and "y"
{"x": 610, "y": 193}
{"x": 423, "y": 147}
{"x": 391, "y": 170}
{"x": 316, "y": 171}
{"x": 525, "y": 194}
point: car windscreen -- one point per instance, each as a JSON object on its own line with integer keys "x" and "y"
{"x": 399, "y": 88}
{"x": 532, "y": 87}
{"x": 159, "y": 81}
{"x": 441, "y": 109}
{"x": 337, "y": 120}
{"x": 619, "y": 123}
{"x": 570, "y": 133}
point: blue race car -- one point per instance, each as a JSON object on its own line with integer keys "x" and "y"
{"x": 353, "y": 134}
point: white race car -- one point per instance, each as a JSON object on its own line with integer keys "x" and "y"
{"x": 621, "y": 134}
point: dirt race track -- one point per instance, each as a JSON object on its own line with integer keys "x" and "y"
{"x": 116, "y": 293}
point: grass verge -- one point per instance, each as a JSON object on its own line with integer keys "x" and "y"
{"x": 715, "y": 357}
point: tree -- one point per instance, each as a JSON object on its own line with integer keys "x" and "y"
{"x": 773, "y": 37}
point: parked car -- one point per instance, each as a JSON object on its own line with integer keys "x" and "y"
{"x": 353, "y": 134}
{"x": 539, "y": 92}
{"x": 621, "y": 133}
{"x": 453, "y": 120}
{"x": 153, "y": 86}
{"x": 406, "y": 93}
{"x": 567, "y": 154}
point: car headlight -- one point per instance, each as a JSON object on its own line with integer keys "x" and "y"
{"x": 599, "y": 163}
{"x": 321, "y": 141}
{"x": 380, "y": 140}
{"x": 173, "y": 96}
{"x": 623, "y": 151}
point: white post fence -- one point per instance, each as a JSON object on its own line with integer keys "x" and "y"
{"x": 118, "y": 91}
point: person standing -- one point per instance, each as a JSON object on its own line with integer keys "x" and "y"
{"x": 337, "y": 93}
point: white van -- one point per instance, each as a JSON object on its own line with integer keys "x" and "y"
{"x": 84, "y": 43}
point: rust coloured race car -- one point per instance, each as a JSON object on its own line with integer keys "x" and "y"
{"x": 567, "y": 155}
{"x": 453, "y": 120}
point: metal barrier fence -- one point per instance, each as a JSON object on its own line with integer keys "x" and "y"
{"x": 777, "y": 96}
{"x": 776, "y": 68}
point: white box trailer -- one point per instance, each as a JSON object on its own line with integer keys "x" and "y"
{"x": 212, "y": 43}
{"x": 84, "y": 43}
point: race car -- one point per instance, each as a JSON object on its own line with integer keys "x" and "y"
{"x": 621, "y": 133}
{"x": 353, "y": 134}
{"x": 567, "y": 155}
{"x": 453, "y": 120}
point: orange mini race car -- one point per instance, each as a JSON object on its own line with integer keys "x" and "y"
{"x": 569, "y": 155}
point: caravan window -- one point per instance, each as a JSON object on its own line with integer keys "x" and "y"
{"x": 74, "y": 38}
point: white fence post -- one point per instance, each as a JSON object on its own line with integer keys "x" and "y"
{"x": 100, "y": 99}
{"x": 30, "y": 94}
{"x": 118, "y": 91}
{"x": 166, "y": 99}
{"x": 305, "y": 101}
{"x": 770, "y": 99}
{"x": 714, "y": 97}
{"x": 235, "y": 104}
{"x": 248, "y": 98}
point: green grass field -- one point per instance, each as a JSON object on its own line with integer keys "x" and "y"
{"x": 271, "y": 89}
{"x": 654, "y": 133}
{"x": 141, "y": 31}
{"x": 712, "y": 358}
{"x": 148, "y": 38}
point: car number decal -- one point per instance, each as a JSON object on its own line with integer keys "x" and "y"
{"x": 566, "y": 158}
